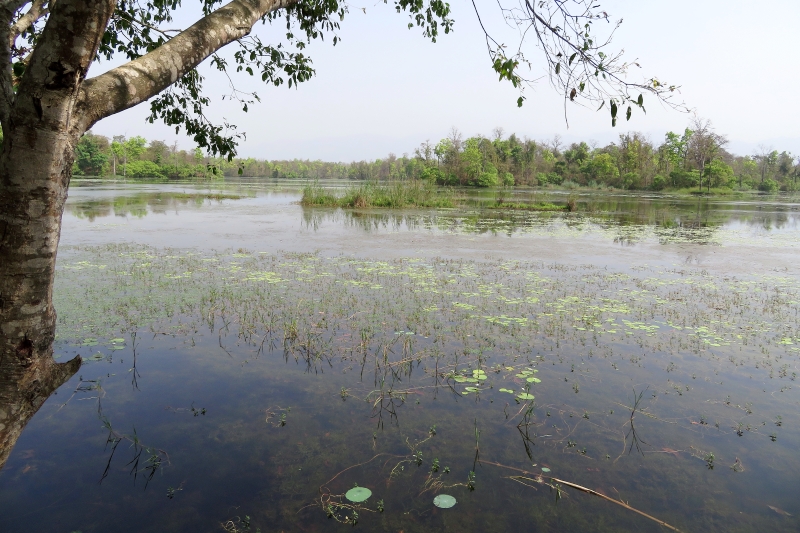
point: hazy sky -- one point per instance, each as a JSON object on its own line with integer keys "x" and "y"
{"x": 385, "y": 88}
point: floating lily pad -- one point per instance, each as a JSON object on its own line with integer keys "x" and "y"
{"x": 533, "y": 380}
{"x": 96, "y": 357}
{"x": 545, "y": 469}
{"x": 507, "y": 390}
{"x": 358, "y": 494}
{"x": 444, "y": 501}
{"x": 117, "y": 340}
{"x": 525, "y": 396}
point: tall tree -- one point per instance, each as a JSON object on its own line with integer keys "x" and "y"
{"x": 767, "y": 158}
{"x": 704, "y": 145}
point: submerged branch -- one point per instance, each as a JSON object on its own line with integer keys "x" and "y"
{"x": 581, "y": 488}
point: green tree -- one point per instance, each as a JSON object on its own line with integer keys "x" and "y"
{"x": 785, "y": 164}
{"x": 472, "y": 161}
{"x": 144, "y": 169}
{"x": 91, "y": 154}
{"x": 676, "y": 150}
{"x": 749, "y": 170}
{"x": 704, "y": 145}
{"x": 767, "y": 159}
{"x": 157, "y": 152}
{"x": 720, "y": 174}
{"x": 602, "y": 168}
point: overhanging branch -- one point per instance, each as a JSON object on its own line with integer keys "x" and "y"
{"x": 143, "y": 78}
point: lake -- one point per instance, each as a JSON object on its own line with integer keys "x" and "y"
{"x": 248, "y": 362}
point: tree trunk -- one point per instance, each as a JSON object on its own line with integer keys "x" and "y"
{"x": 700, "y": 181}
{"x": 35, "y": 168}
{"x": 34, "y": 172}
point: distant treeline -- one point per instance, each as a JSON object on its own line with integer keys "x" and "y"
{"x": 695, "y": 158}
{"x": 136, "y": 157}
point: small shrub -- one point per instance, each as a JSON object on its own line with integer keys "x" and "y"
{"x": 768, "y": 185}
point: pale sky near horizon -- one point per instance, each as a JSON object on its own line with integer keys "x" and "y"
{"x": 385, "y": 88}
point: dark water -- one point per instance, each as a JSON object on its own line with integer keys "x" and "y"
{"x": 251, "y": 358}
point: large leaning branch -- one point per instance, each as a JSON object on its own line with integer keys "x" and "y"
{"x": 143, "y": 78}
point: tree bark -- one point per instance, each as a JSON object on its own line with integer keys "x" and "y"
{"x": 35, "y": 166}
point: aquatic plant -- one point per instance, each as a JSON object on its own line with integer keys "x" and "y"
{"x": 406, "y": 193}
{"x": 358, "y": 494}
{"x": 444, "y": 501}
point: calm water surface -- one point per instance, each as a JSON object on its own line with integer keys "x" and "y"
{"x": 248, "y": 361}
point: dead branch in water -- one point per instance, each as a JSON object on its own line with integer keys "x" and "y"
{"x": 575, "y": 486}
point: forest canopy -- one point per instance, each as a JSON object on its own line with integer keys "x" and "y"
{"x": 634, "y": 161}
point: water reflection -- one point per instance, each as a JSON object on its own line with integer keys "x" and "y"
{"x": 625, "y": 230}
{"x": 605, "y": 217}
{"x": 629, "y": 218}
{"x": 142, "y": 204}
{"x": 24, "y": 388}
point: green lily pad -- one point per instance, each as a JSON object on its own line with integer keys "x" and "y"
{"x": 444, "y": 501}
{"x": 358, "y": 494}
{"x": 545, "y": 469}
{"x": 533, "y": 380}
{"x": 471, "y": 389}
{"x": 507, "y": 390}
{"x": 525, "y": 396}
{"x": 459, "y": 379}
{"x": 117, "y": 340}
